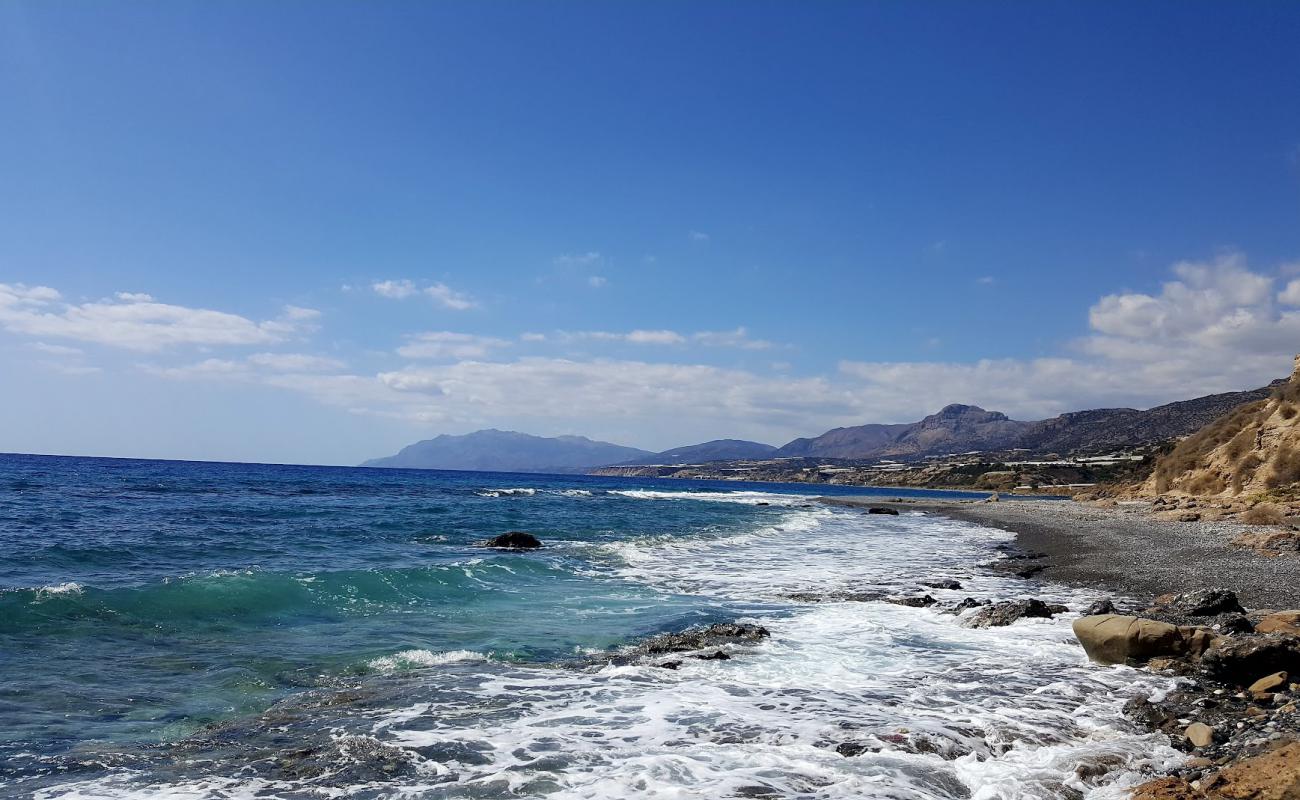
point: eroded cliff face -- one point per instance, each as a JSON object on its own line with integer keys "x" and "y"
{"x": 1253, "y": 449}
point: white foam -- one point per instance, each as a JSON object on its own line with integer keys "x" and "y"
{"x": 69, "y": 588}
{"x": 516, "y": 492}
{"x": 408, "y": 659}
{"x": 743, "y": 497}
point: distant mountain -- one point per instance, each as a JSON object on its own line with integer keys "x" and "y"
{"x": 507, "y": 451}
{"x": 955, "y": 429}
{"x": 960, "y": 429}
{"x": 716, "y": 450}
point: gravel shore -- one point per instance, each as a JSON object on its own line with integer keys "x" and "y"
{"x": 1125, "y": 549}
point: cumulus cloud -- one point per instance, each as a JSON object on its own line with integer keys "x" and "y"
{"x": 698, "y": 236}
{"x": 440, "y": 293}
{"x": 446, "y": 344}
{"x": 136, "y": 321}
{"x": 734, "y": 338}
{"x": 295, "y": 362}
{"x": 597, "y": 281}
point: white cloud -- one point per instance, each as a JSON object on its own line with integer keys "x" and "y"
{"x": 394, "y": 290}
{"x": 737, "y": 338}
{"x": 698, "y": 236}
{"x": 295, "y": 362}
{"x": 57, "y": 349}
{"x": 446, "y": 344}
{"x": 734, "y": 338}
{"x": 1291, "y": 294}
{"x": 597, "y": 281}
{"x": 439, "y": 293}
{"x": 532, "y": 337}
{"x": 137, "y": 322}
{"x": 986, "y": 280}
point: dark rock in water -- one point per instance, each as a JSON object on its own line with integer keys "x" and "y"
{"x": 944, "y": 583}
{"x": 669, "y": 664}
{"x": 1242, "y": 660}
{"x": 912, "y": 602}
{"x": 762, "y": 503}
{"x": 835, "y": 597}
{"x": 704, "y": 638}
{"x": 1207, "y": 603}
{"x": 716, "y": 655}
{"x": 1058, "y": 608}
{"x": 968, "y": 603}
{"x": 851, "y": 749}
{"x": 1099, "y": 608}
{"x": 1005, "y": 613}
{"x": 883, "y": 510}
{"x": 514, "y": 540}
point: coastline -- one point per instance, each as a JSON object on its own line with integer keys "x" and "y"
{"x": 1123, "y": 549}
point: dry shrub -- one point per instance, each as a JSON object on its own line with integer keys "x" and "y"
{"x": 1191, "y": 453}
{"x": 1286, "y": 468}
{"x": 1204, "y": 482}
{"x": 1263, "y": 514}
{"x": 1287, "y": 410}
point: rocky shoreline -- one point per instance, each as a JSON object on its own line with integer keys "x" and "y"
{"x": 1235, "y": 709}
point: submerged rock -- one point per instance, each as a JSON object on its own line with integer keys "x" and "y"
{"x": 1118, "y": 639}
{"x": 514, "y": 540}
{"x": 704, "y": 638}
{"x": 893, "y": 512}
{"x": 1007, "y": 612}
{"x": 943, "y": 583}
{"x": 924, "y": 601}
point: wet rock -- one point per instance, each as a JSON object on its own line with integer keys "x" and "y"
{"x": 967, "y": 604}
{"x": 1232, "y": 623}
{"x": 1118, "y": 639}
{"x": 1241, "y": 660}
{"x": 893, "y": 512}
{"x": 925, "y": 601}
{"x": 851, "y": 749}
{"x": 943, "y": 583}
{"x": 514, "y": 540}
{"x": 835, "y": 597}
{"x": 704, "y": 638}
{"x": 668, "y": 664}
{"x": 716, "y": 655}
{"x": 1005, "y": 613}
{"x": 1099, "y": 608}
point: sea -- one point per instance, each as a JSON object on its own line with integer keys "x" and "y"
{"x": 210, "y": 630}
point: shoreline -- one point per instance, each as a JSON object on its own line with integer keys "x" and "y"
{"x": 1123, "y": 549}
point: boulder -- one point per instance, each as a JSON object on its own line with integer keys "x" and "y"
{"x": 1167, "y": 788}
{"x": 1274, "y": 775}
{"x": 944, "y": 583}
{"x": 1243, "y": 659}
{"x": 1100, "y": 607}
{"x": 1118, "y": 639}
{"x": 1199, "y": 734}
{"x": 883, "y": 510}
{"x": 1268, "y": 684}
{"x": 1287, "y": 622}
{"x": 515, "y": 540}
{"x": 1205, "y": 603}
{"x": 1005, "y": 613}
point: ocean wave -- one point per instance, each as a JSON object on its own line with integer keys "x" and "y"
{"x": 517, "y": 492}
{"x": 409, "y": 659}
{"x": 750, "y": 498}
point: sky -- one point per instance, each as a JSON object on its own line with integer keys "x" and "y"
{"x": 316, "y": 232}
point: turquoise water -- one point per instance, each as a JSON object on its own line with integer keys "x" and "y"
{"x": 148, "y": 609}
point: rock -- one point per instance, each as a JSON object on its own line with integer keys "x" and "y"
{"x": 851, "y": 749}
{"x": 944, "y": 583}
{"x": 1199, "y": 734}
{"x": 669, "y": 664}
{"x": 1188, "y": 516}
{"x": 1233, "y": 623}
{"x": 514, "y": 540}
{"x": 1206, "y": 603}
{"x": 912, "y": 602}
{"x": 1287, "y": 622}
{"x": 883, "y": 510}
{"x": 1275, "y": 775}
{"x": 1099, "y": 608}
{"x": 1005, "y": 613}
{"x": 1242, "y": 659}
{"x": 703, "y": 638}
{"x": 968, "y": 603}
{"x": 1058, "y": 608}
{"x": 1118, "y": 639}
{"x": 1269, "y": 542}
{"x": 1268, "y": 684}
{"x": 716, "y": 655}
{"x": 1167, "y": 788}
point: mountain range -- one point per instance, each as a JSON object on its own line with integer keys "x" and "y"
{"x": 954, "y": 429}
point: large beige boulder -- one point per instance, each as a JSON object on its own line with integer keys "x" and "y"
{"x": 1118, "y": 639}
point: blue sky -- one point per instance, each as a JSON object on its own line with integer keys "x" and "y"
{"x": 314, "y": 232}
